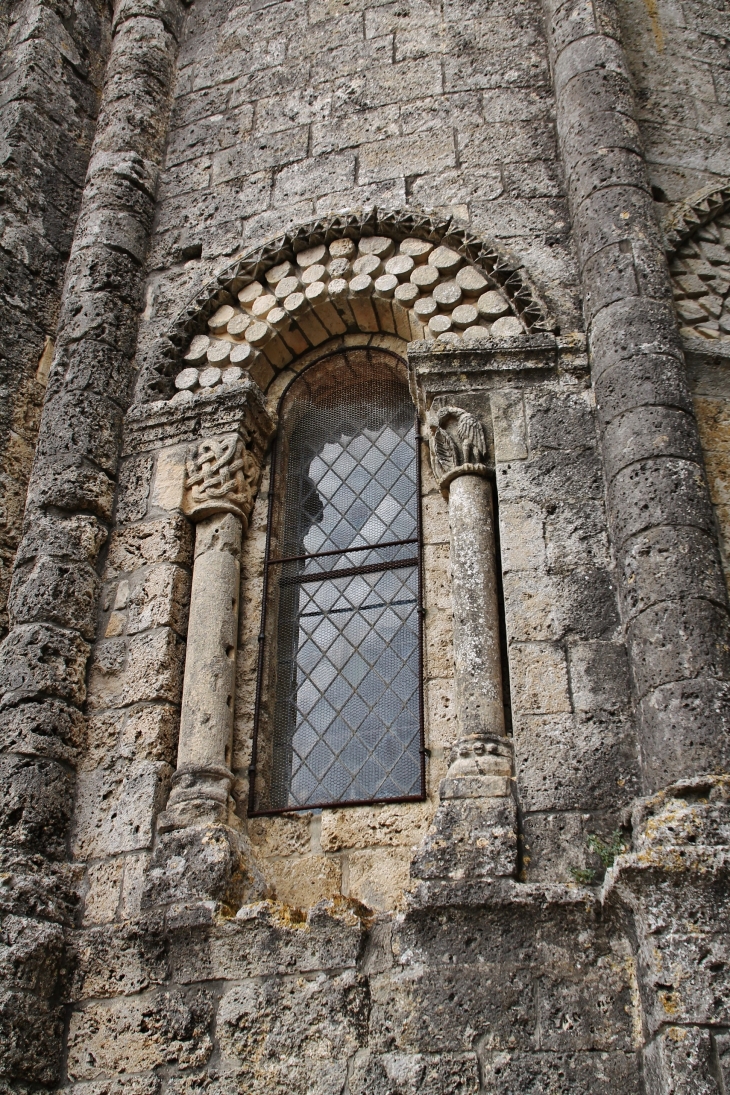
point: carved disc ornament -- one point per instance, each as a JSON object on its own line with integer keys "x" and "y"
{"x": 221, "y": 477}
{"x": 401, "y": 273}
{"x": 458, "y": 445}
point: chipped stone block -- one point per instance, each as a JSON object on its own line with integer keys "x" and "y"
{"x": 379, "y": 877}
{"x": 134, "y": 488}
{"x": 149, "y": 732}
{"x": 440, "y": 711}
{"x": 294, "y": 1033}
{"x": 281, "y": 836}
{"x": 303, "y": 881}
{"x": 31, "y": 955}
{"x": 102, "y": 897}
{"x": 521, "y": 536}
{"x": 578, "y": 1073}
{"x": 159, "y": 597}
{"x": 583, "y": 761}
{"x": 150, "y": 669}
{"x": 375, "y": 826}
{"x": 532, "y": 610}
{"x": 141, "y": 1033}
{"x": 116, "y": 808}
{"x": 680, "y": 1061}
{"x": 167, "y": 488}
{"x": 436, "y": 576}
{"x": 555, "y": 845}
{"x": 36, "y": 800}
{"x": 161, "y": 540}
{"x": 431, "y": 1074}
{"x": 135, "y": 868}
{"x": 439, "y": 632}
{"x": 599, "y": 676}
{"x": 31, "y": 1043}
{"x": 37, "y": 660}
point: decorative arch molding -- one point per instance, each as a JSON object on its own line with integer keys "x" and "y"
{"x": 368, "y": 298}
{"x": 697, "y": 235}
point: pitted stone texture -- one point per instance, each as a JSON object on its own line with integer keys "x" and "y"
{"x": 163, "y": 1028}
{"x": 272, "y": 1032}
{"x": 205, "y": 863}
{"x": 470, "y": 838}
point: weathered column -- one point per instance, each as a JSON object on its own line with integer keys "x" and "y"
{"x": 53, "y": 600}
{"x": 202, "y": 854}
{"x": 222, "y": 476}
{"x": 203, "y": 780}
{"x": 474, "y": 832}
{"x": 660, "y": 519}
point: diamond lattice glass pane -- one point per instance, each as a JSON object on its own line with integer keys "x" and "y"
{"x": 343, "y": 650}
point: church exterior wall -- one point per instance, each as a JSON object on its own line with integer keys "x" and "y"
{"x": 552, "y": 916}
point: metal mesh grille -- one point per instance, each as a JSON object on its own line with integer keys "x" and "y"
{"x": 342, "y": 679}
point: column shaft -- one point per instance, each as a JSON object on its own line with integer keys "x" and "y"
{"x": 203, "y": 779}
{"x": 477, "y": 661}
{"x": 660, "y": 517}
{"x": 53, "y": 600}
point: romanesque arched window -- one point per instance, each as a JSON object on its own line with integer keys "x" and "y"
{"x": 339, "y": 694}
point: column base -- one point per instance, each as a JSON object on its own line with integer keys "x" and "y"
{"x": 199, "y": 796}
{"x": 474, "y": 832}
{"x": 203, "y": 863}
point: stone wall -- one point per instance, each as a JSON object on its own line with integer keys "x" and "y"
{"x": 572, "y": 939}
{"x": 283, "y": 112}
{"x": 677, "y": 54}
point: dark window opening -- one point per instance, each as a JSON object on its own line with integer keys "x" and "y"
{"x": 338, "y": 708}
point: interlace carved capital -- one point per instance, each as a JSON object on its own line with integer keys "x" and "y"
{"x": 457, "y": 444}
{"x": 222, "y": 476}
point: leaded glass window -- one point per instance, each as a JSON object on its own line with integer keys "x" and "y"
{"x": 339, "y": 692}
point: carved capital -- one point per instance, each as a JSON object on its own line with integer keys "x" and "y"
{"x": 457, "y": 445}
{"x": 221, "y": 476}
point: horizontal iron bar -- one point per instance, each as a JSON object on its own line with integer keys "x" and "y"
{"x": 348, "y": 572}
{"x": 360, "y": 608}
{"x": 344, "y": 551}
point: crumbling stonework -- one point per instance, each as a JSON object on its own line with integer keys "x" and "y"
{"x": 524, "y": 209}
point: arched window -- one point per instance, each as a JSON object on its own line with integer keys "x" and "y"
{"x": 338, "y": 713}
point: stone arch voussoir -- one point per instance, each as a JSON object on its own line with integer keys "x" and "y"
{"x": 400, "y": 273}
{"x": 697, "y": 234}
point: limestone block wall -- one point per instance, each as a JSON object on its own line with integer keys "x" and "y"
{"x": 574, "y": 734}
{"x": 52, "y": 59}
{"x": 284, "y": 112}
{"x": 677, "y": 53}
{"x": 539, "y": 996}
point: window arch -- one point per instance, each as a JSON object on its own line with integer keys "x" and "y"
{"x": 338, "y": 712}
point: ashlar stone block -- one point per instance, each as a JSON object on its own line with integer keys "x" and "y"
{"x": 159, "y": 597}
{"x": 539, "y": 678}
{"x": 137, "y": 1034}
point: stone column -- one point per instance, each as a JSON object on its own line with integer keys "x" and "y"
{"x": 53, "y": 600}
{"x": 474, "y": 835}
{"x": 221, "y": 481}
{"x": 661, "y": 522}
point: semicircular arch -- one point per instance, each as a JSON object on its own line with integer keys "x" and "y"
{"x": 697, "y": 235}
{"x": 401, "y": 274}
